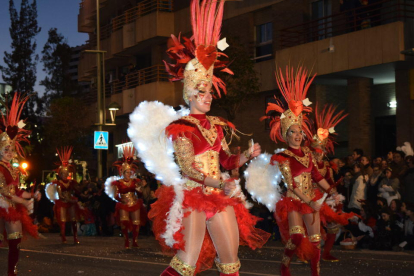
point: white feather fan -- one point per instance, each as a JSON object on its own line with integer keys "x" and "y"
{"x": 51, "y": 192}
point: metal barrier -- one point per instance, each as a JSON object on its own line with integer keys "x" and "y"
{"x": 376, "y": 14}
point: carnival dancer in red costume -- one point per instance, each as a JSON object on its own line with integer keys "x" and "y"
{"x": 322, "y": 141}
{"x": 66, "y": 207}
{"x": 199, "y": 215}
{"x": 130, "y": 211}
{"x": 301, "y": 204}
{"x": 14, "y": 219}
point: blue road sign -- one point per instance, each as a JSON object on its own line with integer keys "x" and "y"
{"x": 101, "y": 140}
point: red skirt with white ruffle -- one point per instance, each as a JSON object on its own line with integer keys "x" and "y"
{"x": 19, "y": 213}
{"x": 196, "y": 200}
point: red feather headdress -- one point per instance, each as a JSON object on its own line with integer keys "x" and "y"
{"x": 197, "y": 58}
{"x": 11, "y": 130}
{"x": 294, "y": 86}
{"x": 64, "y": 156}
{"x": 127, "y": 162}
{"x": 322, "y": 131}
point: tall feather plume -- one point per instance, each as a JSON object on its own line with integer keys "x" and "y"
{"x": 206, "y": 22}
{"x": 65, "y": 153}
{"x": 327, "y": 119}
{"x": 11, "y": 120}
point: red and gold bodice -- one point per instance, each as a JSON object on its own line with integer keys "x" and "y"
{"x": 126, "y": 191}
{"x": 66, "y": 189}
{"x": 298, "y": 170}
{"x": 9, "y": 183}
{"x": 200, "y": 147}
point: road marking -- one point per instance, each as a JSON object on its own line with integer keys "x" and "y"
{"x": 131, "y": 261}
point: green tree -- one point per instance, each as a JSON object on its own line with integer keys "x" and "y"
{"x": 243, "y": 84}
{"x": 56, "y": 60}
{"x": 20, "y": 69}
{"x": 67, "y": 125}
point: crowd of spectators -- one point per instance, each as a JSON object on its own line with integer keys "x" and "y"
{"x": 381, "y": 190}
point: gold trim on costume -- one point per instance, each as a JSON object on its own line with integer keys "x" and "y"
{"x": 333, "y": 230}
{"x": 181, "y": 267}
{"x": 209, "y": 134}
{"x": 184, "y": 151}
{"x": 14, "y": 172}
{"x": 1, "y": 237}
{"x": 228, "y": 268}
{"x": 304, "y": 184}
{"x": 208, "y": 163}
{"x": 297, "y": 230}
{"x": 225, "y": 147}
{"x": 287, "y": 174}
{"x": 14, "y": 236}
{"x": 285, "y": 260}
{"x": 315, "y": 238}
{"x": 289, "y": 245}
{"x": 129, "y": 199}
{"x": 136, "y": 222}
{"x": 304, "y": 160}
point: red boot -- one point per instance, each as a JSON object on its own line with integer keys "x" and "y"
{"x": 75, "y": 232}
{"x": 232, "y": 274}
{"x": 125, "y": 233}
{"x": 63, "y": 231}
{"x": 13, "y": 256}
{"x": 135, "y": 232}
{"x": 169, "y": 271}
{"x": 290, "y": 248}
{"x": 316, "y": 258}
{"x": 326, "y": 256}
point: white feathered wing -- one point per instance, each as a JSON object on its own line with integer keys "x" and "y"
{"x": 147, "y": 132}
{"x": 262, "y": 181}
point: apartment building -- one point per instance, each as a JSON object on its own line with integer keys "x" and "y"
{"x": 361, "y": 55}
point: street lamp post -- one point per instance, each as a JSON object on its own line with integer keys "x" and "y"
{"x": 100, "y": 85}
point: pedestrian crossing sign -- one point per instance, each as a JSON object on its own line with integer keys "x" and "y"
{"x": 101, "y": 140}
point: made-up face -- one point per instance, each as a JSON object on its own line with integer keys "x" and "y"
{"x": 7, "y": 154}
{"x": 294, "y": 136}
{"x": 200, "y": 103}
{"x": 318, "y": 154}
{"x": 64, "y": 173}
{"x": 127, "y": 174}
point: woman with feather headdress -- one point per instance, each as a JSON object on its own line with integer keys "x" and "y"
{"x": 14, "y": 219}
{"x": 200, "y": 215}
{"x": 130, "y": 211}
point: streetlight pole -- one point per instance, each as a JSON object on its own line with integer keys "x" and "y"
{"x": 99, "y": 83}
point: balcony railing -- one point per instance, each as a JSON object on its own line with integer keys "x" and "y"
{"x": 379, "y": 13}
{"x": 137, "y": 78}
{"x": 141, "y": 9}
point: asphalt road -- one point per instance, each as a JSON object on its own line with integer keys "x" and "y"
{"x": 104, "y": 256}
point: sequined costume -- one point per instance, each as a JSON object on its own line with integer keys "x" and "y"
{"x": 200, "y": 149}
{"x": 67, "y": 208}
{"x": 15, "y": 222}
{"x": 130, "y": 211}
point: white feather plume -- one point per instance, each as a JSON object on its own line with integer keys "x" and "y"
{"x": 147, "y": 132}
{"x": 51, "y": 192}
{"x": 109, "y": 188}
{"x": 407, "y": 149}
{"x": 262, "y": 181}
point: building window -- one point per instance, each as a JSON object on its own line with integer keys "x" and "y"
{"x": 264, "y": 42}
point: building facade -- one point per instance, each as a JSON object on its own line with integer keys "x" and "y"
{"x": 361, "y": 55}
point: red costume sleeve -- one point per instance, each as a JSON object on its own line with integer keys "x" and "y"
{"x": 329, "y": 176}
{"x": 228, "y": 160}
{"x": 316, "y": 176}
